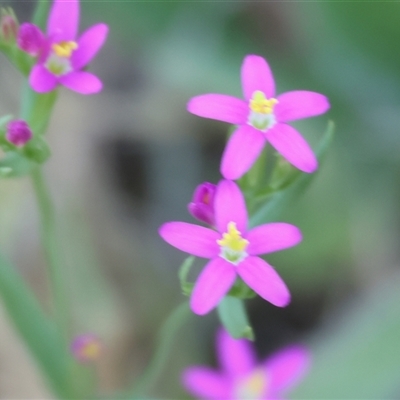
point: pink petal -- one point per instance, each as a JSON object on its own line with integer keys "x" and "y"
{"x": 82, "y": 82}
{"x": 268, "y": 238}
{"x": 41, "y": 80}
{"x": 264, "y": 280}
{"x": 230, "y": 206}
{"x": 63, "y": 20}
{"x": 300, "y": 104}
{"x": 236, "y": 356}
{"x": 213, "y": 283}
{"x": 192, "y": 239}
{"x": 257, "y": 75}
{"x": 205, "y": 383}
{"x": 287, "y": 367}
{"x": 220, "y": 107}
{"x": 241, "y": 152}
{"x": 293, "y": 147}
{"x": 89, "y": 44}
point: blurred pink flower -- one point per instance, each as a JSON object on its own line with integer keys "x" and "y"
{"x": 86, "y": 347}
{"x": 261, "y": 118}
{"x": 63, "y": 57}
{"x": 233, "y": 250}
{"x": 242, "y": 378}
{"x": 202, "y": 204}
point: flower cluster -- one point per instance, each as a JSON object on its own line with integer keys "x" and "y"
{"x": 61, "y": 56}
{"x": 229, "y": 243}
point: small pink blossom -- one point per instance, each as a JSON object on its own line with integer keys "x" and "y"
{"x": 202, "y": 204}
{"x": 262, "y": 118}
{"x": 86, "y": 348}
{"x": 233, "y": 250}
{"x": 30, "y": 39}
{"x": 242, "y": 378}
{"x": 18, "y": 132}
{"x": 63, "y": 57}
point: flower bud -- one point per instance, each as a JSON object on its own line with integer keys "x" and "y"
{"x": 202, "y": 205}
{"x": 30, "y": 39}
{"x": 8, "y": 25}
{"x": 86, "y": 348}
{"x": 18, "y": 132}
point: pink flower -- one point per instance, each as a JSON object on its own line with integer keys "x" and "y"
{"x": 63, "y": 57}
{"x": 86, "y": 347}
{"x": 232, "y": 249}
{"x": 241, "y": 378}
{"x": 202, "y": 204}
{"x": 18, "y": 132}
{"x": 262, "y": 118}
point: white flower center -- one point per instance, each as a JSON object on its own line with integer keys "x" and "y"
{"x": 252, "y": 387}
{"x": 58, "y": 62}
{"x": 261, "y": 115}
{"x": 233, "y": 245}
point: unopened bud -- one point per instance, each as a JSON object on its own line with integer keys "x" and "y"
{"x": 8, "y": 25}
{"x": 86, "y": 348}
{"x": 18, "y": 132}
{"x": 30, "y": 39}
{"x": 202, "y": 204}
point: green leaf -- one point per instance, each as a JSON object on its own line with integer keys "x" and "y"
{"x": 15, "y": 165}
{"x": 232, "y": 314}
{"x": 184, "y": 269}
{"x": 35, "y": 328}
{"x": 296, "y": 183}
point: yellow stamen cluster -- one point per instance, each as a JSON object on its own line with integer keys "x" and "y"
{"x": 64, "y": 49}
{"x": 233, "y": 239}
{"x": 260, "y": 104}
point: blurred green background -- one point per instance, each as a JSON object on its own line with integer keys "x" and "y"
{"x": 141, "y": 155}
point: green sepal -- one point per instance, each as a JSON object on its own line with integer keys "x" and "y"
{"x": 37, "y": 150}
{"x": 233, "y": 316}
{"x": 184, "y": 269}
{"x": 273, "y": 201}
{"x": 241, "y": 290}
{"x": 14, "y": 164}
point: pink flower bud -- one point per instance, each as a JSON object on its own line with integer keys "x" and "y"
{"x": 202, "y": 205}
{"x": 86, "y": 348}
{"x": 30, "y": 39}
{"x": 8, "y": 25}
{"x": 18, "y": 132}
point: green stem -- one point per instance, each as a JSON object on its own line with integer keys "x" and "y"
{"x": 41, "y": 13}
{"x": 52, "y": 250}
{"x": 165, "y": 339}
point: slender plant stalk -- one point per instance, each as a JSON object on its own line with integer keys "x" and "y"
{"x": 166, "y": 337}
{"x": 52, "y": 250}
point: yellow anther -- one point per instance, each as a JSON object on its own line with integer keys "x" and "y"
{"x": 260, "y": 104}
{"x": 64, "y": 49}
{"x": 233, "y": 239}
